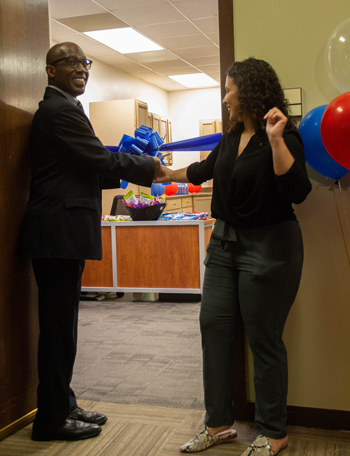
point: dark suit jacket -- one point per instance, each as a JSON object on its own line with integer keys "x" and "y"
{"x": 70, "y": 167}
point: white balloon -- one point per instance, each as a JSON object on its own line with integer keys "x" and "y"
{"x": 337, "y": 57}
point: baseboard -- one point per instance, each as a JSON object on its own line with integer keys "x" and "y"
{"x": 179, "y": 297}
{"x": 17, "y": 425}
{"x": 311, "y": 417}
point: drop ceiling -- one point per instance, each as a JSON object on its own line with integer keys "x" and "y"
{"x": 188, "y": 30}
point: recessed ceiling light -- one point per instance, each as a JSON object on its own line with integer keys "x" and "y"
{"x": 124, "y": 40}
{"x": 195, "y": 80}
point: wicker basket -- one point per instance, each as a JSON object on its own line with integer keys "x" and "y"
{"x": 146, "y": 213}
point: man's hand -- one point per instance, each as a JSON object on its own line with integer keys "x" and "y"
{"x": 164, "y": 176}
{"x": 158, "y": 168}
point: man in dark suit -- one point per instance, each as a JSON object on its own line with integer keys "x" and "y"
{"x": 62, "y": 228}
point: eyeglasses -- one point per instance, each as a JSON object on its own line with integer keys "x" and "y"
{"x": 74, "y": 63}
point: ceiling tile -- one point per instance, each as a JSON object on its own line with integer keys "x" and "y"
{"x": 177, "y": 71}
{"x": 203, "y": 51}
{"x": 143, "y": 73}
{"x": 151, "y": 56}
{"x": 155, "y": 78}
{"x": 115, "y": 59}
{"x": 168, "y": 64}
{"x": 56, "y": 28}
{"x": 172, "y": 86}
{"x": 214, "y": 36}
{"x": 129, "y": 67}
{"x": 209, "y": 68}
{"x": 215, "y": 75}
{"x": 203, "y": 60}
{"x": 155, "y": 14}
{"x": 125, "y": 4}
{"x": 90, "y": 47}
{"x": 170, "y": 29}
{"x": 193, "y": 41}
{"x": 209, "y": 25}
{"x": 93, "y": 22}
{"x": 69, "y": 8}
{"x": 195, "y": 9}
{"x": 181, "y": 42}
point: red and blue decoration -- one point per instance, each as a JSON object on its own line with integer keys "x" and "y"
{"x": 316, "y": 155}
{"x": 335, "y": 129}
{"x": 171, "y": 189}
{"x": 157, "y": 189}
{"x": 194, "y": 188}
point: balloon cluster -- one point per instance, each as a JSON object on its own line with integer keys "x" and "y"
{"x": 325, "y": 130}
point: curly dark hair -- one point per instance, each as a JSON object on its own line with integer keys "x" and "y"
{"x": 259, "y": 90}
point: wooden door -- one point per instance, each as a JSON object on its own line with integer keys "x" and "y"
{"x": 22, "y": 85}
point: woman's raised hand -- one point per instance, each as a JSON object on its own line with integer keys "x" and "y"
{"x": 275, "y": 123}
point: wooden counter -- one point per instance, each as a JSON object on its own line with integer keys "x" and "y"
{"x": 197, "y": 202}
{"x": 158, "y": 257}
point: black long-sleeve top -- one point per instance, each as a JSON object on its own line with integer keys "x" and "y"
{"x": 246, "y": 192}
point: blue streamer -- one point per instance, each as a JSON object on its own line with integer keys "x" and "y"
{"x": 202, "y": 143}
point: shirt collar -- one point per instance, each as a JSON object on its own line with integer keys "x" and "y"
{"x": 67, "y": 95}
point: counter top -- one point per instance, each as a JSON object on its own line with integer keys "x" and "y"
{"x": 200, "y": 194}
{"x": 160, "y": 222}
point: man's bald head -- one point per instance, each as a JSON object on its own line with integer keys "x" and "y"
{"x": 66, "y": 68}
{"x": 61, "y": 50}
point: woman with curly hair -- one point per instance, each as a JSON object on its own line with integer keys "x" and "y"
{"x": 255, "y": 255}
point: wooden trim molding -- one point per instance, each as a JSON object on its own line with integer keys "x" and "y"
{"x": 227, "y": 48}
{"x": 17, "y": 425}
{"x": 309, "y": 417}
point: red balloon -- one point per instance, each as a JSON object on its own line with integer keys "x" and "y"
{"x": 171, "y": 189}
{"x": 194, "y": 188}
{"x": 335, "y": 129}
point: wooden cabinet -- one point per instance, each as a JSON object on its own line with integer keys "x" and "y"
{"x": 112, "y": 119}
{"x": 208, "y": 127}
{"x": 186, "y": 204}
{"x": 189, "y": 203}
{"x": 173, "y": 205}
{"x": 162, "y": 125}
{"x": 202, "y": 204}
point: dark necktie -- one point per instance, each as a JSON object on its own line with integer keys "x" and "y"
{"x": 80, "y": 105}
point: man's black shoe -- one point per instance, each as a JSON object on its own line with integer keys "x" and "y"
{"x": 71, "y": 430}
{"x": 88, "y": 417}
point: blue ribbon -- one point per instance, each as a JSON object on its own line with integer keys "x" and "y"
{"x": 145, "y": 142}
{"x": 207, "y": 142}
{"x": 151, "y": 143}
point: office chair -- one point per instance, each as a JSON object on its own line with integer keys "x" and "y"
{"x": 118, "y": 207}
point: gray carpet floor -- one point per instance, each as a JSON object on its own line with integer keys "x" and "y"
{"x": 139, "y": 352}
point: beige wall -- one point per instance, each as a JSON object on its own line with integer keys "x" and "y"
{"x": 292, "y": 37}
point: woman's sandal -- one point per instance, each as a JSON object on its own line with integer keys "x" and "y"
{"x": 261, "y": 447}
{"x": 204, "y": 440}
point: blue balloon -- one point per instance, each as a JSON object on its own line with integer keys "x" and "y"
{"x": 157, "y": 189}
{"x": 316, "y": 155}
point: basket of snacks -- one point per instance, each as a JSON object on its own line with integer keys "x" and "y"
{"x": 144, "y": 207}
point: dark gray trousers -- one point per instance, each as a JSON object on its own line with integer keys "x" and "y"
{"x": 252, "y": 276}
